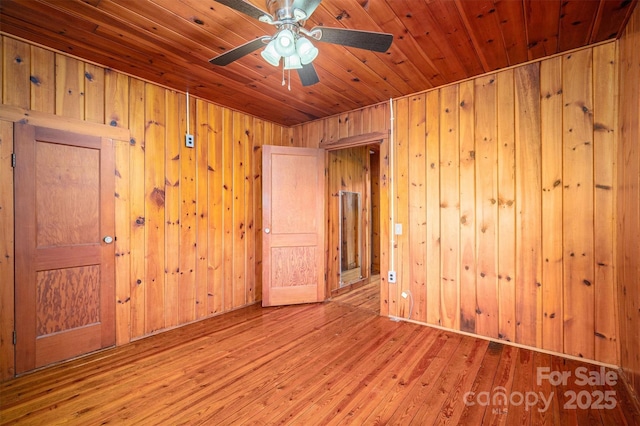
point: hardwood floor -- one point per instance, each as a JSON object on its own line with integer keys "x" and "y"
{"x": 329, "y": 363}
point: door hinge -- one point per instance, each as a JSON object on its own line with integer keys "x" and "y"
{"x": 13, "y": 160}
{"x": 15, "y": 337}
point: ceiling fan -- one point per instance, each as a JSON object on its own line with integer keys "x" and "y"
{"x": 289, "y": 43}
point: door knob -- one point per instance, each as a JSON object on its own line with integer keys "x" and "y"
{"x": 108, "y": 239}
{"x": 267, "y": 230}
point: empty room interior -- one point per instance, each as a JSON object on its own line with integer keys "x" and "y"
{"x": 308, "y": 212}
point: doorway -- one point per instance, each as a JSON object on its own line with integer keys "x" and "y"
{"x": 353, "y": 245}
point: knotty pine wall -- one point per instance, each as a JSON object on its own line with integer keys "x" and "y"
{"x": 628, "y": 203}
{"x": 187, "y": 220}
{"x": 504, "y": 187}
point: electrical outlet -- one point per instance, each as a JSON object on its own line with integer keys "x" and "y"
{"x": 188, "y": 141}
{"x": 392, "y": 277}
{"x": 398, "y": 229}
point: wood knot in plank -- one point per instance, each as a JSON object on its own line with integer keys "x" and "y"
{"x": 157, "y": 196}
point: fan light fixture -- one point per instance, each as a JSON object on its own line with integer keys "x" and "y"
{"x": 295, "y": 49}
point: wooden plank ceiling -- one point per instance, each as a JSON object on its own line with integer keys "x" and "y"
{"x": 435, "y": 42}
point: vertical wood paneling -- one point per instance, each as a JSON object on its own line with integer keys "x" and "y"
{"x": 201, "y": 130}
{"x": 116, "y": 99}
{"x": 401, "y": 216}
{"x": 43, "y": 80}
{"x": 70, "y": 99}
{"x": 172, "y": 209}
{"x": 187, "y": 291}
{"x": 7, "y": 324}
{"x": 137, "y": 196}
{"x": 117, "y": 115}
{"x": 216, "y": 227}
{"x": 227, "y": 199}
{"x": 260, "y": 138}
{"x": 332, "y": 252}
{"x": 94, "y": 93}
{"x": 468, "y": 296}
{"x": 249, "y": 213}
{"x": 628, "y": 203}
{"x": 578, "y": 221}
{"x": 240, "y": 140}
{"x": 123, "y": 245}
{"x": 605, "y": 71}
{"x": 486, "y": 198}
{"x": 385, "y": 225}
{"x": 433, "y": 206}
{"x": 355, "y": 122}
{"x": 552, "y": 274}
{"x": 528, "y": 210}
{"x": 506, "y": 207}
{"x": 16, "y": 60}
{"x": 450, "y": 208}
{"x": 417, "y": 207}
{"x": 154, "y": 181}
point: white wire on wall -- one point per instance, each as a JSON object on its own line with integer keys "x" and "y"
{"x": 392, "y": 238}
{"x": 188, "y": 118}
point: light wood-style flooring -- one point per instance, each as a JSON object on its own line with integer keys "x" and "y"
{"x": 336, "y": 362}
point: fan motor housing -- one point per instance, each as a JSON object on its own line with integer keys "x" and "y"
{"x": 282, "y": 10}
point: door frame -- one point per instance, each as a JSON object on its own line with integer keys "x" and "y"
{"x": 9, "y": 116}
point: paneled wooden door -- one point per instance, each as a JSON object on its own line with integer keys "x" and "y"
{"x": 64, "y": 201}
{"x": 293, "y": 205}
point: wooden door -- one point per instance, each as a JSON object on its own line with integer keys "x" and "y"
{"x": 293, "y": 225}
{"x": 64, "y": 201}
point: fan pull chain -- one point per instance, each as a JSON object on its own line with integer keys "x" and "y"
{"x": 283, "y": 82}
{"x": 289, "y": 80}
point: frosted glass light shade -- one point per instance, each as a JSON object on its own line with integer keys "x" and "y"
{"x": 285, "y": 43}
{"x": 292, "y": 62}
{"x": 306, "y": 50}
{"x": 270, "y": 54}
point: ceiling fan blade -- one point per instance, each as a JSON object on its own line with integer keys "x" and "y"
{"x": 307, "y": 5}
{"x": 308, "y": 75}
{"x": 244, "y": 7}
{"x": 238, "y": 52}
{"x": 378, "y": 42}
